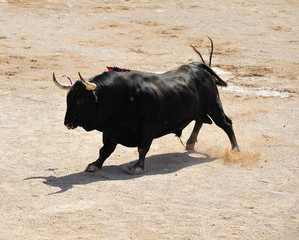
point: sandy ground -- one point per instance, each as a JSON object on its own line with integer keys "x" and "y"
{"x": 183, "y": 195}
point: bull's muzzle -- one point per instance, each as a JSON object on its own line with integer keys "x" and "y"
{"x": 69, "y": 126}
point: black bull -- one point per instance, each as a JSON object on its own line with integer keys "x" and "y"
{"x": 133, "y": 108}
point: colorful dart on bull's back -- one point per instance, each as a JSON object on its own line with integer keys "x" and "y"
{"x": 117, "y": 69}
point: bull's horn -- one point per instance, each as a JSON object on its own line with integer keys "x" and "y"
{"x": 89, "y": 86}
{"x": 60, "y": 85}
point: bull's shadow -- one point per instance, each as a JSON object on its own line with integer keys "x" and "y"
{"x": 156, "y": 164}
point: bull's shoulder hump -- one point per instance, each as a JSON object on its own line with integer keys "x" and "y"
{"x": 109, "y": 78}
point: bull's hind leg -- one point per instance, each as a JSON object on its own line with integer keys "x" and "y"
{"x": 193, "y": 137}
{"x": 217, "y": 114}
{"x": 198, "y": 124}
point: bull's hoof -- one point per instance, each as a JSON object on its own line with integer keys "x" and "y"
{"x": 190, "y": 146}
{"x": 236, "y": 149}
{"x": 91, "y": 168}
{"x": 134, "y": 170}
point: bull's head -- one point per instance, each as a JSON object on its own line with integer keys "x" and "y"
{"x": 81, "y": 104}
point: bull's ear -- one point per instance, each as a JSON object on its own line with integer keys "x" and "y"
{"x": 95, "y": 99}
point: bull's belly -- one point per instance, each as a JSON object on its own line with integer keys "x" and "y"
{"x": 133, "y": 138}
{"x": 164, "y": 128}
{"x": 135, "y": 131}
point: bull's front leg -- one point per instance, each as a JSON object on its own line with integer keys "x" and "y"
{"x": 108, "y": 148}
{"x": 138, "y": 168}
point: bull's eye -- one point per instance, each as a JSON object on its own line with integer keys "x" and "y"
{"x": 80, "y": 101}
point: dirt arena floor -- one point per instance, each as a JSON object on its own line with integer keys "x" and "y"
{"x": 208, "y": 193}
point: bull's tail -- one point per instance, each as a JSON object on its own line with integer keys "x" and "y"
{"x": 216, "y": 78}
